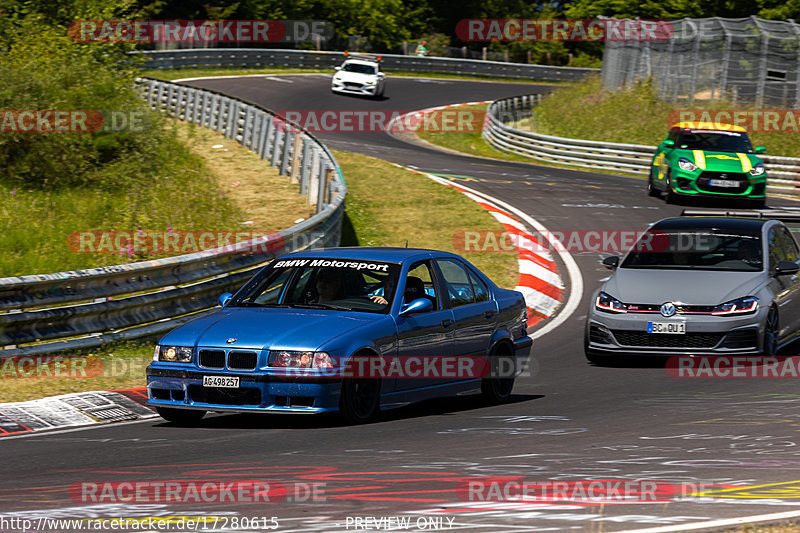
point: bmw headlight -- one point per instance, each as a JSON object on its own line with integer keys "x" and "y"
{"x": 758, "y": 170}
{"x": 292, "y": 359}
{"x": 686, "y": 165}
{"x": 173, "y": 354}
{"x": 609, "y": 304}
{"x": 740, "y": 306}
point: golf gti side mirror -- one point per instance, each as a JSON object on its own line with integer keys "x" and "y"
{"x": 786, "y": 268}
{"x": 224, "y": 298}
{"x": 761, "y": 149}
{"x": 420, "y": 305}
{"x": 669, "y": 142}
{"x": 611, "y": 262}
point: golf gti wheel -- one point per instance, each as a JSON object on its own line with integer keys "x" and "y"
{"x": 182, "y": 417}
{"x": 359, "y": 400}
{"x": 497, "y": 387}
{"x": 771, "y": 333}
{"x": 651, "y": 188}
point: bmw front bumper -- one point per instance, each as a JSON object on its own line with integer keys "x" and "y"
{"x": 182, "y": 388}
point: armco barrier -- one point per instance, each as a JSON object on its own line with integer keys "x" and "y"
{"x": 86, "y": 308}
{"x": 258, "y": 58}
{"x": 784, "y": 172}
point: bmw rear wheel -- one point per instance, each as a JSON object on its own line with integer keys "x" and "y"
{"x": 497, "y": 386}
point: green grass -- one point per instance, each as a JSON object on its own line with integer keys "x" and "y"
{"x": 634, "y": 116}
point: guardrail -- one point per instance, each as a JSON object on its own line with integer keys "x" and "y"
{"x": 257, "y": 58}
{"x": 79, "y": 309}
{"x": 783, "y": 172}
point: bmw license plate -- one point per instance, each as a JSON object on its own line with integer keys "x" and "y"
{"x": 226, "y": 382}
{"x": 675, "y": 328}
{"x": 723, "y": 183}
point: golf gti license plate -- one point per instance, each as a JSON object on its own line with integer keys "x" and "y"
{"x": 221, "y": 381}
{"x": 675, "y": 328}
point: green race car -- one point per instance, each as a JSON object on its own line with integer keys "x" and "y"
{"x": 708, "y": 159}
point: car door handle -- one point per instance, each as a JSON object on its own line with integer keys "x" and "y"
{"x": 447, "y": 323}
{"x": 488, "y": 314}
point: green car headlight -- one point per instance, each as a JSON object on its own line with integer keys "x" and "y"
{"x": 758, "y": 170}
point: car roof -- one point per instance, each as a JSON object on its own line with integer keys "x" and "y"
{"x": 362, "y": 62}
{"x": 719, "y": 126}
{"x": 372, "y": 253}
{"x": 745, "y": 226}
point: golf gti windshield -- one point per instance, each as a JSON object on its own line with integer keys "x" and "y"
{"x": 701, "y": 249}
{"x": 715, "y": 141}
{"x": 347, "y": 285}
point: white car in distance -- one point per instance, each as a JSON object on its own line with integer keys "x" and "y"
{"x": 359, "y": 75}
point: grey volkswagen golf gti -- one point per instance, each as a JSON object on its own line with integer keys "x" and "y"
{"x": 699, "y": 285}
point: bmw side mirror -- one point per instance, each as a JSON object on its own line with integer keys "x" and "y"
{"x": 669, "y": 143}
{"x": 224, "y": 298}
{"x": 611, "y": 262}
{"x": 420, "y": 305}
{"x": 761, "y": 149}
{"x": 786, "y": 268}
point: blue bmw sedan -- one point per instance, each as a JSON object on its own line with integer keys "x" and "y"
{"x": 347, "y": 330}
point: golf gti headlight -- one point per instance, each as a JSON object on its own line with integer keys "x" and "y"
{"x": 687, "y": 165}
{"x": 757, "y": 170}
{"x": 173, "y": 354}
{"x": 609, "y": 304}
{"x": 740, "y": 306}
{"x": 290, "y": 359}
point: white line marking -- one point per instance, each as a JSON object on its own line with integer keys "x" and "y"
{"x": 718, "y": 523}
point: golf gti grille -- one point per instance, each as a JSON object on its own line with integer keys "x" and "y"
{"x": 650, "y": 340}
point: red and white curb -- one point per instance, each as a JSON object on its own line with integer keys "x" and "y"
{"x": 539, "y": 280}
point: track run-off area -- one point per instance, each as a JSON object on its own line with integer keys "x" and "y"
{"x": 731, "y": 445}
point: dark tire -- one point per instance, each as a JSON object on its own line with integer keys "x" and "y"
{"x": 771, "y": 333}
{"x": 181, "y": 417}
{"x": 496, "y": 388}
{"x": 651, "y": 188}
{"x": 672, "y": 198}
{"x": 359, "y": 400}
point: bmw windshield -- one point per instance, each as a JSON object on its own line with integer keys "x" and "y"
{"x": 702, "y": 249}
{"x": 335, "y": 284}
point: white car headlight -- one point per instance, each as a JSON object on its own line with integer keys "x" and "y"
{"x": 740, "y": 306}
{"x": 687, "y": 165}
{"x": 292, "y": 359}
{"x": 758, "y": 170}
{"x": 609, "y": 304}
